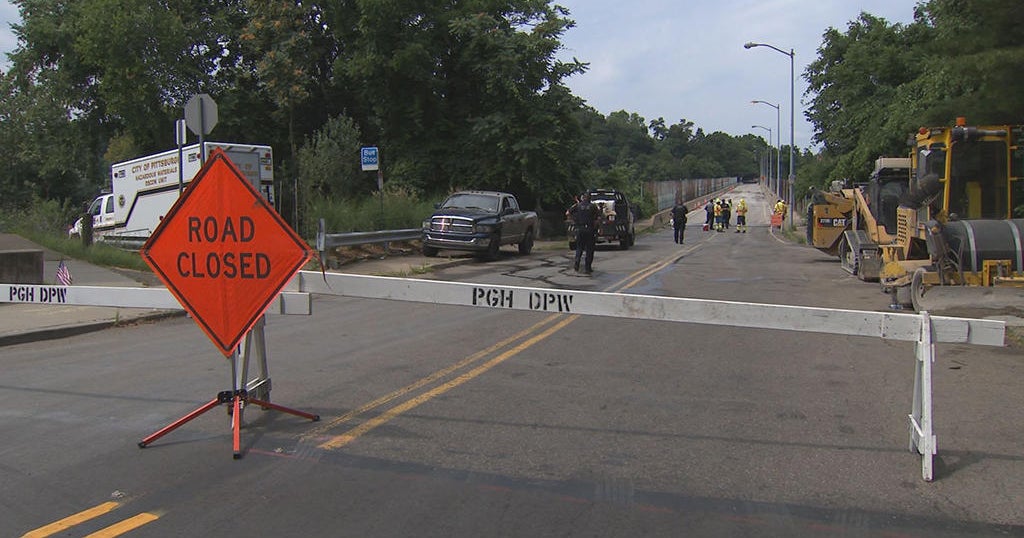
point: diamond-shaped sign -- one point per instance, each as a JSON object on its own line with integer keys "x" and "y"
{"x": 224, "y": 252}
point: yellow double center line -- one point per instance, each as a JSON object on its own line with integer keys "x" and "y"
{"x": 539, "y": 331}
{"x": 117, "y": 529}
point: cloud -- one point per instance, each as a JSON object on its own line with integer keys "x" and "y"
{"x": 670, "y": 59}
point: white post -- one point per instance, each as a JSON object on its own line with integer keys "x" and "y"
{"x": 922, "y": 439}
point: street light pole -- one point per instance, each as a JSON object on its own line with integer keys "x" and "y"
{"x": 792, "y": 111}
{"x": 777, "y": 178}
{"x": 778, "y": 126}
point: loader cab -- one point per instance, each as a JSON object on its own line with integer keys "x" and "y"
{"x": 888, "y": 184}
{"x": 972, "y": 165}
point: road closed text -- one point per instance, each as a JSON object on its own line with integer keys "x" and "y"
{"x": 222, "y": 262}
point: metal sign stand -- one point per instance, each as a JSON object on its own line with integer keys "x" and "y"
{"x": 256, "y": 391}
{"x": 922, "y": 439}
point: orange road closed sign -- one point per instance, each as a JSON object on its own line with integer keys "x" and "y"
{"x": 224, "y": 252}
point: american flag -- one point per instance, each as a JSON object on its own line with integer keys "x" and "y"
{"x": 63, "y": 275}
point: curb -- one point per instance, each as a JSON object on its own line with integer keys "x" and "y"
{"x": 65, "y": 331}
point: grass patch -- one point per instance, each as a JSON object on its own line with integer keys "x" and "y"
{"x": 400, "y": 211}
{"x": 97, "y": 254}
{"x": 45, "y": 222}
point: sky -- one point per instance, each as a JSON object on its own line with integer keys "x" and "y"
{"x": 684, "y": 59}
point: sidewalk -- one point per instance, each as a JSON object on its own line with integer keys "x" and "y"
{"x": 31, "y": 322}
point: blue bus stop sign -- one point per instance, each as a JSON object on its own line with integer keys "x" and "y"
{"x": 370, "y": 158}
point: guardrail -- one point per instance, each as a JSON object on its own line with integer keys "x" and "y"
{"x": 325, "y": 240}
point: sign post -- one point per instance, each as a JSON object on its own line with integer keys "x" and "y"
{"x": 369, "y": 158}
{"x": 201, "y": 118}
{"x": 180, "y": 137}
{"x": 224, "y": 253}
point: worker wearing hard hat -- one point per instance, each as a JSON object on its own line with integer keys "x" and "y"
{"x": 780, "y": 208}
{"x": 741, "y": 216}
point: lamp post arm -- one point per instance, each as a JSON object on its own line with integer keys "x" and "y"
{"x": 773, "y": 47}
{"x": 792, "y": 113}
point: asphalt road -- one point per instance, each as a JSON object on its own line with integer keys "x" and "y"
{"x": 451, "y": 421}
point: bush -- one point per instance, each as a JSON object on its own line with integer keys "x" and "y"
{"x": 401, "y": 210}
{"x": 41, "y": 217}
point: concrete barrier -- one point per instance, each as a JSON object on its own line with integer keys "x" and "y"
{"x": 22, "y": 266}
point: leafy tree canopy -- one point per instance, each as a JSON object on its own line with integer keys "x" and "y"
{"x": 456, "y": 95}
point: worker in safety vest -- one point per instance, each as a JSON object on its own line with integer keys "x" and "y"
{"x": 718, "y": 215}
{"x": 741, "y": 216}
{"x": 780, "y": 208}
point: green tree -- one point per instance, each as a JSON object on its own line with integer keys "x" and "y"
{"x": 972, "y": 64}
{"x": 855, "y": 80}
{"x": 329, "y": 160}
{"x": 85, "y": 72}
{"x": 876, "y": 83}
{"x": 443, "y": 81}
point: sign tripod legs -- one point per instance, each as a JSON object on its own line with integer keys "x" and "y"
{"x": 237, "y": 398}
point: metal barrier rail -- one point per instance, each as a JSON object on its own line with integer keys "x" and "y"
{"x": 325, "y": 240}
{"x": 923, "y": 329}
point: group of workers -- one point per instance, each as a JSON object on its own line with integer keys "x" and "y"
{"x": 718, "y": 215}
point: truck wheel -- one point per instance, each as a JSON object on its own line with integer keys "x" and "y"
{"x": 429, "y": 252}
{"x": 526, "y": 245}
{"x": 493, "y": 248}
{"x": 918, "y": 289}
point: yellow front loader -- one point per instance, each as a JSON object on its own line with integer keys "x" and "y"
{"x": 853, "y": 223}
{"x": 959, "y": 242}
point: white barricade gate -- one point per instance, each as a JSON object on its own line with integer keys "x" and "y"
{"x": 923, "y": 329}
{"x": 253, "y": 345}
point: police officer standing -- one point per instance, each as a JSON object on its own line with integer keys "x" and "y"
{"x": 679, "y": 221}
{"x": 584, "y": 216}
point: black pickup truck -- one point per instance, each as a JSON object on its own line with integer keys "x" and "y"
{"x": 479, "y": 221}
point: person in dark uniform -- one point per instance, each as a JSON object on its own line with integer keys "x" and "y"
{"x": 584, "y": 215}
{"x": 679, "y": 221}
